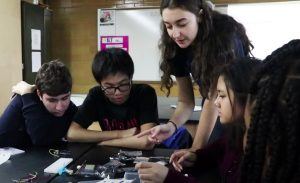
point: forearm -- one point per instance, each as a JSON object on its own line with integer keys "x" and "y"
{"x": 182, "y": 113}
{"x": 186, "y": 101}
{"x": 130, "y": 142}
{"x": 133, "y": 141}
{"x": 206, "y": 124}
{"x": 78, "y": 134}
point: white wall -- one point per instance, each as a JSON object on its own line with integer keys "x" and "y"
{"x": 10, "y": 48}
{"x": 268, "y": 25}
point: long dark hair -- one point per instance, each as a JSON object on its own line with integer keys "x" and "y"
{"x": 212, "y": 47}
{"x": 272, "y": 150}
{"x": 237, "y": 77}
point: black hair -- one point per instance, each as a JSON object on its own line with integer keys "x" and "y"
{"x": 213, "y": 46}
{"x": 112, "y": 61}
{"x": 237, "y": 77}
{"x": 272, "y": 149}
{"x": 53, "y": 78}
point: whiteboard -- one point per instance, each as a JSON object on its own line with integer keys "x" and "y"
{"x": 142, "y": 26}
{"x": 268, "y": 26}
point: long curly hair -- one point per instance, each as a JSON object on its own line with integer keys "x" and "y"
{"x": 272, "y": 149}
{"x": 213, "y": 46}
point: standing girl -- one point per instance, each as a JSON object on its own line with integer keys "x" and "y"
{"x": 195, "y": 41}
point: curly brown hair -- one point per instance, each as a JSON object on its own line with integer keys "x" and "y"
{"x": 53, "y": 78}
{"x": 213, "y": 46}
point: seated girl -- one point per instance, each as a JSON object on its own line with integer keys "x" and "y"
{"x": 272, "y": 148}
{"x": 225, "y": 154}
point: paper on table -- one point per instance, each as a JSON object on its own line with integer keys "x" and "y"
{"x": 196, "y": 108}
{"x": 120, "y": 180}
{"x": 12, "y": 151}
{"x": 4, "y": 156}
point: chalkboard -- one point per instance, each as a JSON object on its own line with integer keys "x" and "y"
{"x": 138, "y": 31}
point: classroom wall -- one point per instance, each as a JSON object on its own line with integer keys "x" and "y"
{"x": 243, "y": 1}
{"x": 10, "y": 48}
{"x": 74, "y": 35}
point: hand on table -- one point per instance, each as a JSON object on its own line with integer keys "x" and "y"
{"x": 151, "y": 172}
{"x": 158, "y": 133}
{"x": 183, "y": 158}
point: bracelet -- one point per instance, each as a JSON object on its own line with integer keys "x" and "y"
{"x": 173, "y": 124}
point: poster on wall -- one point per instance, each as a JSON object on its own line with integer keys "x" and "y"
{"x": 35, "y": 39}
{"x": 106, "y": 17}
{"x": 36, "y": 61}
{"x": 114, "y": 42}
{"x": 106, "y": 23}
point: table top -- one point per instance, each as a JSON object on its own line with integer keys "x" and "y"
{"x": 36, "y": 159}
{"x": 100, "y": 155}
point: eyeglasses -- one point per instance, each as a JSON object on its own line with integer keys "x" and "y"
{"x": 112, "y": 89}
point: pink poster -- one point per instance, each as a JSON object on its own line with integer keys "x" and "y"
{"x": 114, "y": 42}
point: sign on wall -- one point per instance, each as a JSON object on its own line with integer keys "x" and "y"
{"x": 114, "y": 42}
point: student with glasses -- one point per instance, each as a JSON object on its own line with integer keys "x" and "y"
{"x": 121, "y": 108}
{"x": 112, "y": 90}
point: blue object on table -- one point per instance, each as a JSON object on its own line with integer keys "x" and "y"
{"x": 181, "y": 139}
